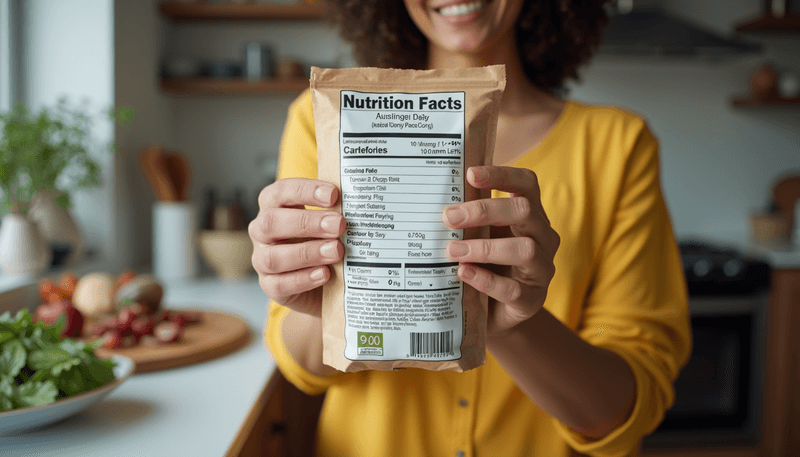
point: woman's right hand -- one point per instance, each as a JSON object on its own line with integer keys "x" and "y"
{"x": 293, "y": 246}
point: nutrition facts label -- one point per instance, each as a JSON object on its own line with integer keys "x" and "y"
{"x": 401, "y": 165}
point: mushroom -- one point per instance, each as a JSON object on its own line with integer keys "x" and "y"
{"x": 94, "y": 294}
{"x": 143, "y": 289}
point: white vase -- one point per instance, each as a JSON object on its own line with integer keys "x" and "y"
{"x": 56, "y": 225}
{"x": 22, "y": 249}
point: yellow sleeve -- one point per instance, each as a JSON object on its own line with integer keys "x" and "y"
{"x": 298, "y": 159}
{"x": 638, "y": 306}
{"x": 298, "y": 150}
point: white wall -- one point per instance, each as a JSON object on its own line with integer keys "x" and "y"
{"x": 69, "y": 51}
{"x": 718, "y": 163}
{"x": 139, "y": 38}
{"x": 6, "y": 72}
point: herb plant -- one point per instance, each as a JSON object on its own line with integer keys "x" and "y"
{"x": 40, "y": 150}
{"x": 38, "y": 367}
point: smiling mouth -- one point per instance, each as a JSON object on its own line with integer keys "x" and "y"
{"x": 462, "y": 8}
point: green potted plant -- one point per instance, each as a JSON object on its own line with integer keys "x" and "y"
{"x": 43, "y": 157}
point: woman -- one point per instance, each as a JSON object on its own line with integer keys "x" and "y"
{"x": 588, "y": 322}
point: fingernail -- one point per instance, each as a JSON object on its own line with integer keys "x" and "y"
{"x": 467, "y": 272}
{"x": 323, "y": 194}
{"x": 317, "y": 274}
{"x": 331, "y": 224}
{"x": 455, "y": 216}
{"x": 479, "y": 173}
{"x": 458, "y": 249}
{"x": 328, "y": 250}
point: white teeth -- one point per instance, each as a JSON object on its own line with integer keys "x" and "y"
{"x": 464, "y": 8}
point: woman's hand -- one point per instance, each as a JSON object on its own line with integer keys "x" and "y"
{"x": 520, "y": 251}
{"x": 292, "y": 246}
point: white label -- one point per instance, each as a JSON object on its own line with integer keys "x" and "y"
{"x": 402, "y": 163}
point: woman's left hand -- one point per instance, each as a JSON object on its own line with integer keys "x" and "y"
{"x": 521, "y": 249}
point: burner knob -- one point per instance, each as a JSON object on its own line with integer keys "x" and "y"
{"x": 701, "y": 268}
{"x": 732, "y": 268}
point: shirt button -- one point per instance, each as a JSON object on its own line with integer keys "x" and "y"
{"x": 463, "y": 403}
{"x": 460, "y": 454}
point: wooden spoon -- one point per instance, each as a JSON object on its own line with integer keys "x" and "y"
{"x": 785, "y": 194}
{"x": 179, "y": 171}
{"x": 153, "y": 165}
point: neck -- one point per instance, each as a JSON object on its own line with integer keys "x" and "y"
{"x": 520, "y": 94}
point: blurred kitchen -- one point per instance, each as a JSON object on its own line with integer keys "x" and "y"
{"x": 209, "y": 87}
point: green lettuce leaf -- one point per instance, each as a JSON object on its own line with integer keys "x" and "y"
{"x": 54, "y": 359}
{"x": 38, "y": 366}
{"x": 12, "y": 358}
{"x": 34, "y": 393}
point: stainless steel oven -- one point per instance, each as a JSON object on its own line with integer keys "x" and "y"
{"x": 719, "y": 393}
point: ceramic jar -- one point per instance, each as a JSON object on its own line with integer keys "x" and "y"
{"x": 56, "y": 226}
{"x": 22, "y": 249}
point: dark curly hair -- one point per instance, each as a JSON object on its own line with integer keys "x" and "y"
{"x": 554, "y": 37}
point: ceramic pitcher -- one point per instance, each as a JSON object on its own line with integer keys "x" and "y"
{"x": 22, "y": 249}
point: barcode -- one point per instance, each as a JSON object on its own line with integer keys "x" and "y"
{"x": 431, "y": 344}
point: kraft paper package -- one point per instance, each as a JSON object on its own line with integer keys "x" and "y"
{"x": 397, "y": 143}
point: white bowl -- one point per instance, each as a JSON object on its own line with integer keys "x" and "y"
{"x": 18, "y": 420}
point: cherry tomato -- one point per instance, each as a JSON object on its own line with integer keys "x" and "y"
{"x": 50, "y": 292}
{"x": 112, "y": 340}
{"x": 67, "y": 283}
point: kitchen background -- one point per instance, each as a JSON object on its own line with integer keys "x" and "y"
{"x": 718, "y": 162}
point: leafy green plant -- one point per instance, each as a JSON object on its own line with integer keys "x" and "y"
{"x": 48, "y": 151}
{"x": 38, "y": 366}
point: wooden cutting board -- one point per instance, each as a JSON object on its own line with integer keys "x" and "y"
{"x": 216, "y": 335}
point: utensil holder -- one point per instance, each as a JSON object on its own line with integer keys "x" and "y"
{"x": 174, "y": 245}
{"x": 770, "y": 228}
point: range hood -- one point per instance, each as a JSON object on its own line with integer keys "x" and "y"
{"x": 650, "y": 31}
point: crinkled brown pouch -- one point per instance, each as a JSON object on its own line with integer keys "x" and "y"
{"x": 397, "y": 143}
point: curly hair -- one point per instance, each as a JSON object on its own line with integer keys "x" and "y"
{"x": 554, "y": 37}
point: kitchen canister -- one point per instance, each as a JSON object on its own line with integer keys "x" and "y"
{"x": 259, "y": 62}
{"x": 23, "y": 252}
{"x": 174, "y": 240}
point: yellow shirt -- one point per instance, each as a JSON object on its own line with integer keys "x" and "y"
{"x": 618, "y": 284}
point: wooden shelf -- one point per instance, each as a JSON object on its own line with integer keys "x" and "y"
{"x": 729, "y": 452}
{"x": 209, "y": 86}
{"x": 769, "y": 23}
{"x": 751, "y": 102}
{"x": 178, "y": 11}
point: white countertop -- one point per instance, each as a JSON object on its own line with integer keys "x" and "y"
{"x": 189, "y": 411}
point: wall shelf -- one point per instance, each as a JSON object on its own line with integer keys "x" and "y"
{"x": 752, "y": 102}
{"x": 209, "y": 86}
{"x": 769, "y": 23}
{"x": 178, "y": 11}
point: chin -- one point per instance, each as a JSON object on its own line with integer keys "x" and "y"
{"x": 468, "y": 44}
